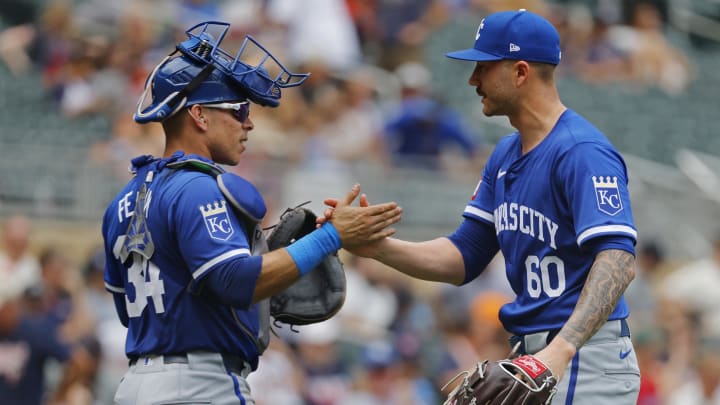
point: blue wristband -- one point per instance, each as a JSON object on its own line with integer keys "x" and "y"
{"x": 311, "y": 249}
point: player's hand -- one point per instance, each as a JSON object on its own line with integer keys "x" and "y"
{"x": 333, "y": 202}
{"x": 557, "y": 355}
{"x": 363, "y": 224}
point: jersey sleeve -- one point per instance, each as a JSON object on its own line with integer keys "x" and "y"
{"x": 113, "y": 271}
{"x": 481, "y": 205}
{"x": 593, "y": 179}
{"x": 208, "y": 231}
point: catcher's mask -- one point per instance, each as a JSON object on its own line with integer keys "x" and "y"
{"x": 205, "y": 73}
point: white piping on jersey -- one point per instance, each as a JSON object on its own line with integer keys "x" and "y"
{"x": 205, "y": 267}
{"x": 112, "y": 288}
{"x": 480, "y": 213}
{"x": 606, "y": 229}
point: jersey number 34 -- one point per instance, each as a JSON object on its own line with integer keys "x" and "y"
{"x": 144, "y": 275}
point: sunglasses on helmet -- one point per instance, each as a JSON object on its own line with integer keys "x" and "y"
{"x": 241, "y": 110}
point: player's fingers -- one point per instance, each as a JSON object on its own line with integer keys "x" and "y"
{"x": 352, "y": 195}
{"x": 380, "y": 209}
{"x": 364, "y": 200}
{"x": 388, "y": 220}
{"x": 331, "y": 202}
{"x": 321, "y": 220}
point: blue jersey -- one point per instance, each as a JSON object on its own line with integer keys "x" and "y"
{"x": 545, "y": 206}
{"x": 165, "y": 231}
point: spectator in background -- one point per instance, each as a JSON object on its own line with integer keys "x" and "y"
{"x": 279, "y": 364}
{"x": 53, "y": 44}
{"x": 61, "y": 297}
{"x": 365, "y": 283}
{"x": 653, "y": 60}
{"x": 423, "y": 130}
{"x": 14, "y": 42}
{"x": 701, "y": 385}
{"x": 358, "y": 126}
{"x": 395, "y": 31}
{"x": 472, "y": 331}
{"x": 653, "y": 263}
{"x": 108, "y": 333}
{"x": 604, "y": 61}
{"x": 26, "y": 346}
{"x": 77, "y": 94}
{"x": 487, "y": 335}
{"x": 649, "y": 349}
{"x": 453, "y": 316}
{"x": 640, "y": 295}
{"x": 77, "y": 384}
{"x": 317, "y": 30}
{"x": 327, "y": 375}
{"x": 692, "y": 290}
{"x": 18, "y": 266}
{"x": 383, "y": 381}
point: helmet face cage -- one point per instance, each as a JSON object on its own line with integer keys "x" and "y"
{"x": 204, "y": 72}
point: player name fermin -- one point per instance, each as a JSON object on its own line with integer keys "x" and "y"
{"x": 520, "y": 218}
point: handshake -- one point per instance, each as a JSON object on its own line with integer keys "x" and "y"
{"x": 319, "y": 294}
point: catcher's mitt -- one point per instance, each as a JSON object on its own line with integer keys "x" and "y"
{"x": 316, "y": 296}
{"x": 524, "y": 380}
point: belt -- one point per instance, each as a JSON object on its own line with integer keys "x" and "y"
{"x": 232, "y": 363}
{"x": 533, "y": 342}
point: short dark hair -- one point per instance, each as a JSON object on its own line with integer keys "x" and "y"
{"x": 546, "y": 71}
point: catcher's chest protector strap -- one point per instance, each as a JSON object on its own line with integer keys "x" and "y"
{"x": 247, "y": 202}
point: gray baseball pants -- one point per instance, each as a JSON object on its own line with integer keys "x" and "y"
{"x": 192, "y": 378}
{"x": 604, "y": 371}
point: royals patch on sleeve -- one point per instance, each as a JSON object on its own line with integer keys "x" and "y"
{"x": 217, "y": 220}
{"x": 607, "y": 194}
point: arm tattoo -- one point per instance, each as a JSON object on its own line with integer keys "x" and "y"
{"x": 610, "y": 274}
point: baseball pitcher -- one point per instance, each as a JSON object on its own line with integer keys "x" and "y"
{"x": 553, "y": 199}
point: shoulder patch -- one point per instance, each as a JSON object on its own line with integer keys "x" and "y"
{"x": 607, "y": 194}
{"x": 217, "y": 221}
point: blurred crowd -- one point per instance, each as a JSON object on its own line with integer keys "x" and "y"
{"x": 370, "y": 101}
{"x": 370, "y": 97}
{"x": 395, "y": 341}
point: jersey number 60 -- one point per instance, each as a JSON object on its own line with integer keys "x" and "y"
{"x": 538, "y": 276}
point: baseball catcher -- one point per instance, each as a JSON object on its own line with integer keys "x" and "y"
{"x": 524, "y": 380}
{"x": 187, "y": 260}
{"x": 319, "y": 294}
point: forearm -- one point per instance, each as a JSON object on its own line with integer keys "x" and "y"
{"x": 609, "y": 276}
{"x": 434, "y": 260}
{"x": 278, "y": 272}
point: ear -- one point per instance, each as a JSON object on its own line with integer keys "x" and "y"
{"x": 521, "y": 71}
{"x": 197, "y": 117}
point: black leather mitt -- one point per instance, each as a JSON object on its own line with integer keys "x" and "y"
{"x": 319, "y": 294}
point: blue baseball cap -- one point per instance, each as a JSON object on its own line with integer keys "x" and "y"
{"x": 515, "y": 35}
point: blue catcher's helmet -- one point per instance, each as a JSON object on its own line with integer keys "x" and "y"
{"x": 205, "y": 73}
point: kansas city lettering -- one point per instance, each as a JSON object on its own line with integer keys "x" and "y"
{"x": 517, "y": 217}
